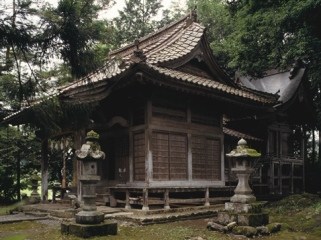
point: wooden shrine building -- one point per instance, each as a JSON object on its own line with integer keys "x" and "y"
{"x": 167, "y": 114}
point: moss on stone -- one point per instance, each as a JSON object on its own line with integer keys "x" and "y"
{"x": 274, "y": 227}
{"x": 244, "y": 230}
{"x": 89, "y": 230}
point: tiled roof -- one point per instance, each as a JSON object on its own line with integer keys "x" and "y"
{"x": 109, "y": 70}
{"x": 167, "y": 44}
{"x": 279, "y": 83}
{"x": 240, "y": 135}
{"x": 178, "y": 42}
{"x": 213, "y": 85}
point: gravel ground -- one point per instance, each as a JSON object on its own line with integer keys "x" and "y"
{"x": 22, "y": 217}
{"x": 17, "y": 216}
{"x": 50, "y": 222}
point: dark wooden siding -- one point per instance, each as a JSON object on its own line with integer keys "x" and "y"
{"x": 139, "y": 156}
{"x": 138, "y": 115}
{"x": 122, "y": 154}
{"x": 169, "y": 110}
{"x": 206, "y": 155}
{"x": 205, "y": 116}
{"x": 169, "y": 156}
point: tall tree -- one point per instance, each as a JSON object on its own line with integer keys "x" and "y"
{"x": 215, "y": 16}
{"x": 274, "y": 34}
{"x": 17, "y": 43}
{"x": 136, "y": 20}
{"x": 74, "y": 31}
{"x": 175, "y": 11}
{"x": 18, "y": 158}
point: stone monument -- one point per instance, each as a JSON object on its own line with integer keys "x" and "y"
{"x": 243, "y": 207}
{"x": 89, "y": 221}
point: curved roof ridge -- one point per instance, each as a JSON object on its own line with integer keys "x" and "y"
{"x": 156, "y": 34}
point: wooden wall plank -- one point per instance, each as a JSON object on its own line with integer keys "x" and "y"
{"x": 139, "y": 156}
{"x": 206, "y": 158}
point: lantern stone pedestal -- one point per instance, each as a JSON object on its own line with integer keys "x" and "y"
{"x": 243, "y": 207}
{"x": 89, "y": 221}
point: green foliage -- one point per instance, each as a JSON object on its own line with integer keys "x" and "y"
{"x": 51, "y": 116}
{"x": 139, "y": 18}
{"x": 275, "y": 33}
{"x": 15, "y": 32}
{"x": 214, "y": 15}
{"x": 136, "y": 20}
{"x": 15, "y": 237}
{"x": 176, "y": 11}
{"x": 295, "y": 203}
{"x": 73, "y": 30}
{"x": 18, "y": 153}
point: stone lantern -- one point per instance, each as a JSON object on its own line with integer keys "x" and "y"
{"x": 89, "y": 221}
{"x": 243, "y": 208}
{"x": 34, "y": 179}
{"x": 243, "y": 157}
{"x": 89, "y": 155}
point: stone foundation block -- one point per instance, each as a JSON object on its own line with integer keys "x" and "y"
{"x": 244, "y": 230}
{"x": 255, "y": 207}
{"x": 243, "y": 219}
{"x": 225, "y": 218}
{"x": 253, "y": 219}
{"x": 90, "y": 217}
{"x": 89, "y": 230}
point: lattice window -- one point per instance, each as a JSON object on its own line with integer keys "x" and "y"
{"x": 139, "y": 156}
{"x": 206, "y": 155}
{"x": 169, "y": 156}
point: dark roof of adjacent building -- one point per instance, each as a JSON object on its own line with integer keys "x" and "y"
{"x": 281, "y": 83}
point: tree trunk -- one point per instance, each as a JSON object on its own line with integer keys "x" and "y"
{"x": 18, "y": 177}
{"x": 319, "y": 155}
{"x": 313, "y": 148}
{"x": 44, "y": 170}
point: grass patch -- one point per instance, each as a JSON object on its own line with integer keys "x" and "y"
{"x": 4, "y": 210}
{"x": 299, "y": 214}
{"x": 15, "y": 237}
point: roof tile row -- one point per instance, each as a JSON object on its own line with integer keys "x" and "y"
{"x": 208, "y": 83}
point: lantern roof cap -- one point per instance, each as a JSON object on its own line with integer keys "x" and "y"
{"x": 242, "y": 150}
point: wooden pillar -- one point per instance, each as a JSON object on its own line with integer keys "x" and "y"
{"x": 79, "y": 139}
{"x": 127, "y": 206}
{"x": 148, "y": 141}
{"x": 207, "y": 197}
{"x": 272, "y": 177}
{"x": 64, "y": 176}
{"x": 112, "y": 198}
{"x": 145, "y": 199}
{"x": 166, "y": 199}
{"x": 304, "y": 156}
{"x": 44, "y": 170}
{"x": 189, "y": 158}
{"x": 149, "y": 156}
{"x": 280, "y": 176}
{"x": 292, "y": 182}
{"x": 131, "y": 156}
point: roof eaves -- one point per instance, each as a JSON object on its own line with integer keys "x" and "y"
{"x": 237, "y": 134}
{"x": 210, "y": 84}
